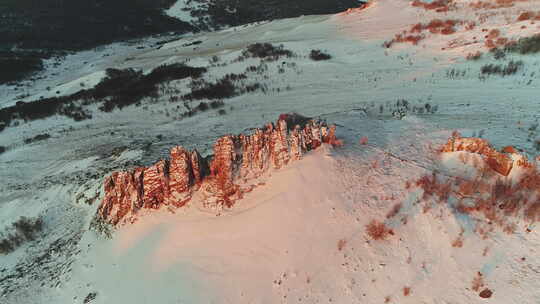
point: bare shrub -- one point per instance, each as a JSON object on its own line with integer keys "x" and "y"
{"x": 38, "y": 137}
{"x": 445, "y": 27}
{"x": 118, "y": 89}
{"x": 406, "y": 290}
{"x": 526, "y": 16}
{"x": 223, "y": 88}
{"x": 266, "y": 51}
{"x": 492, "y": 4}
{"x": 498, "y": 54}
{"x": 318, "y": 55}
{"x": 203, "y": 106}
{"x": 90, "y": 297}
{"x": 228, "y": 86}
{"x": 433, "y": 187}
{"x": 217, "y": 104}
{"x": 490, "y": 44}
{"x": 478, "y": 281}
{"x": 394, "y": 211}
{"x": 23, "y": 230}
{"x": 503, "y": 70}
{"x": 529, "y": 45}
{"x": 458, "y": 242}
{"x": 438, "y": 5}
{"x": 378, "y": 230}
{"x": 494, "y": 33}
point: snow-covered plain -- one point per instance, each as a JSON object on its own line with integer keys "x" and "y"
{"x": 280, "y": 243}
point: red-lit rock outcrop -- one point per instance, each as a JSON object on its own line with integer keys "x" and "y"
{"x": 506, "y": 186}
{"x": 500, "y": 162}
{"x": 237, "y": 160}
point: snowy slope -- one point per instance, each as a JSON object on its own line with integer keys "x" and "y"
{"x": 280, "y": 244}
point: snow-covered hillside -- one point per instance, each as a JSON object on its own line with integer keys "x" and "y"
{"x": 301, "y": 236}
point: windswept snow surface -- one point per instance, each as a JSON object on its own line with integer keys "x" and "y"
{"x": 300, "y": 238}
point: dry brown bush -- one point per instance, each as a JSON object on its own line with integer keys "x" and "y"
{"x": 406, "y": 291}
{"x": 457, "y": 243}
{"x": 526, "y": 16}
{"x": 494, "y": 4}
{"x": 378, "y": 230}
{"x": 341, "y": 244}
{"x": 490, "y": 44}
{"x": 437, "y": 5}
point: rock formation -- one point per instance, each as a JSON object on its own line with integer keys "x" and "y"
{"x": 506, "y": 186}
{"x": 500, "y": 162}
{"x": 237, "y": 160}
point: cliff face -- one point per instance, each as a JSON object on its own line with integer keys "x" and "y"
{"x": 237, "y": 160}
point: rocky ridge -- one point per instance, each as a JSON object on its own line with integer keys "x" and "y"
{"x": 233, "y": 170}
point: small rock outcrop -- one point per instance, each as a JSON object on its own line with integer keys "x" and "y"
{"x": 504, "y": 188}
{"x": 237, "y": 160}
{"x": 500, "y": 162}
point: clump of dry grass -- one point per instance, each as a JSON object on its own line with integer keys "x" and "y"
{"x": 478, "y": 281}
{"x": 474, "y": 56}
{"x": 394, "y": 211}
{"x": 484, "y": 5}
{"x": 525, "y": 16}
{"x": 24, "y": 230}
